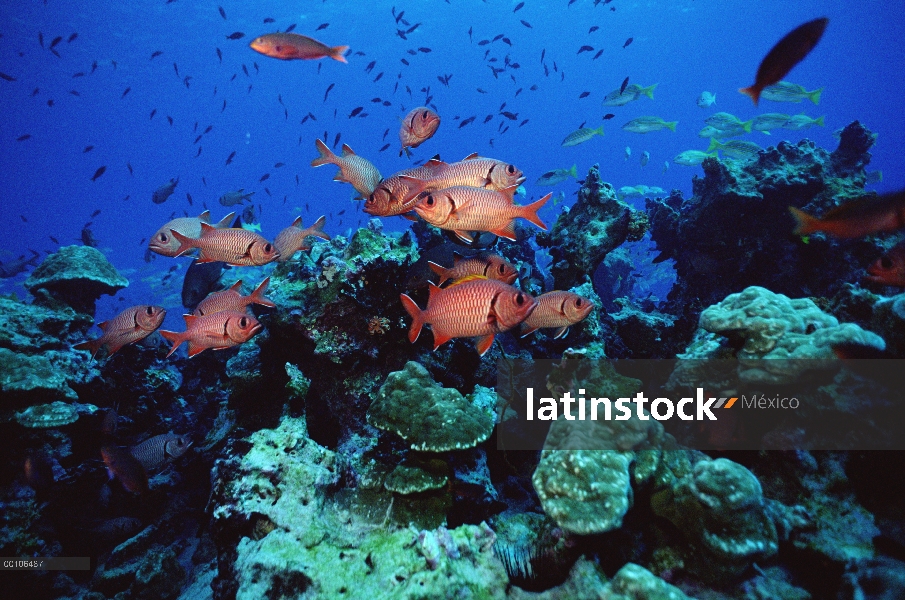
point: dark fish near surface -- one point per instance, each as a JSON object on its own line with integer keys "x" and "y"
{"x": 627, "y": 42}
{"x": 787, "y": 53}
{"x": 100, "y": 171}
{"x": 161, "y": 194}
{"x": 125, "y": 467}
{"x": 154, "y": 452}
{"x": 201, "y": 280}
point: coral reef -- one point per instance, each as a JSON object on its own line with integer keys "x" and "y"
{"x": 76, "y": 276}
{"x": 583, "y": 236}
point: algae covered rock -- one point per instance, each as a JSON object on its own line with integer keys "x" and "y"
{"x": 582, "y": 237}
{"x": 793, "y": 334}
{"x": 76, "y": 276}
{"x": 415, "y": 475}
{"x": 44, "y": 416}
{"x": 426, "y": 415}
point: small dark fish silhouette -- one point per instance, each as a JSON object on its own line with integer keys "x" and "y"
{"x": 269, "y": 20}
{"x": 593, "y": 28}
{"x": 518, "y": 7}
{"x": 155, "y": 54}
{"x": 290, "y": 28}
{"x": 322, "y": 26}
{"x": 585, "y": 49}
{"x": 230, "y": 158}
{"x": 527, "y": 24}
{"x": 95, "y": 213}
{"x": 219, "y": 54}
{"x": 264, "y": 177}
{"x": 787, "y": 53}
{"x": 329, "y": 87}
{"x": 627, "y": 42}
{"x": 153, "y": 112}
{"x": 466, "y": 122}
{"x": 236, "y": 35}
{"x": 100, "y": 171}
{"x": 56, "y": 41}
{"x": 87, "y": 149}
{"x": 129, "y": 166}
{"x": 596, "y": 56}
{"x": 23, "y": 137}
{"x": 6, "y": 77}
{"x": 385, "y": 146}
{"x": 584, "y": 95}
{"x": 72, "y": 37}
{"x": 608, "y": 116}
{"x": 623, "y": 86}
{"x": 222, "y": 12}
{"x": 355, "y": 111}
{"x": 128, "y": 89}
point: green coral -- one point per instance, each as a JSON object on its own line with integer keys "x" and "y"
{"x": 720, "y": 507}
{"x": 298, "y": 384}
{"x": 634, "y": 582}
{"x": 44, "y": 416}
{"x": 793, "y": 334}
{"x": 417, "y": 474}
{"x": 32, "y": 378}
{"x": 426, "y": 415}
{"x": 76, "y": 276}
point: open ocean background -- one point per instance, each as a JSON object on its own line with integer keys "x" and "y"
{"x": 684, "y": 46}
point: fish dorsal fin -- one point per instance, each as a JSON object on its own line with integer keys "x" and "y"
{"x": 441, "y": 271}
{"x": 103, "y": 325}
{"x": 225, "y": 221}
{"x": 189, "y": 319}
{"x": 433, "y": 290}
{"x": 466, "y": 279}
{"x": 236, "y": 287}
{"x": 205, "y": 217}
{"x": 297, "y": 222}
{"x": 471, "y": 156}
{"x": 347, "y": 151}
{"x": 206, "y": 228}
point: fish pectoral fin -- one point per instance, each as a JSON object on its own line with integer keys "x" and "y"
{"x": 440, "y": 339}
{"x": 561, "y": 332}
{"x": 465, "y": 236}
{"x": 483, "y": 343}
{"x": 526, "y": 331}
{"x": 507, "y": 231}
{"x": 194, "y": 349}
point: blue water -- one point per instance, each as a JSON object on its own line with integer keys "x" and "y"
{"x": 685, "y": 46}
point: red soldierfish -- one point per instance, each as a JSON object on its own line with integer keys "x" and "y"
{"x": 232, "y": 299}
{"x": 125, "y": 467}
{"x": 354, "y": 169}
{"x": 293, "y": 238}
{"x": 290, "y": 46}
{"x": 217, "y": 331}
{"x": 131, "y": 325}
{"x": 462, "y": 209}
{"x": 557, "y": 309}
{"x": 234, "y": 246}
{"x": 154, "y": 452}
{"x": 417, "y": 127}
{"x": 787, "y": 53}
{"x": 485, "y": 264}
{"x": 163, "y": 241}
{"x": 474, "y": 171}
{"x": 889, "y": 269}
{"x": 857, "y": 218}
{"x": 475, "y": 307}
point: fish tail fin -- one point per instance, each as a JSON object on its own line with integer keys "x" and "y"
{"x": 338, "y": 53}
{"x": 417, "y": 317}
{"x": 185, "y": 243}
{"x": 599, "y": 130}
{"x": 671, "y": 125}
{"x": 747, "y": 125}
{"x": 752, "y": 92}
{"x": 529, "y": 212}
{"x": 327, "y": 157}
{"x": 804, "y": 223}
{"x": 172, "y": 336}
{"x": 815, "y": 95}
{"x": 649, "y": 91}
{"x": 258, "y": 297}
{"x": 92, "y": 346}
{"x": 714, "y": 145}
{"x": 318, "y": 228}
{"x": 443, "y": 272}
{"x": 574, "y": 171}
{"x": 818, "y": 121}
{"x": 713, "y": 98}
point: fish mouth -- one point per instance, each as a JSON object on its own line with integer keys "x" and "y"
{"x": 520, "y": 180}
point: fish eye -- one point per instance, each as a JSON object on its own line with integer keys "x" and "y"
{"x": 510, "y": 169}
{"x": 425, "y": 115}
{"x": 885, "y": 262}
{"x": 150, "y": 310}
{"x": 163, "y": 237}
{"x": 429, "y": 201}
{"x": 243, "y": 322}
{"x": 578, "y": 302}
{"x": 502, "y": 269}
{"x": 519, "y": 299}
{"x": 268, "y": 247}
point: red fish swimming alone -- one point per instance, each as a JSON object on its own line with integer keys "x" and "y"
{"x": 474, "y": 307}
{"x": 557, "y": 309}
{"x": 154, "y": 452}
{"x": 857, "y": 218}
{"x": 163, "y": 241}
{"x": 418, "y": 126}
{"x": 131, "y": 325}
{"x": 234, "y": 246}
{"x": 293, "y": 238}
{"x": 290, "y": 46}
{"x": 787, "y": 53}
{"x": 889, "y": 269}
{"x": 232, "y": 299}
{"x": 217, "y": 331}
{"x": 485, "y": 264}
{"x": 354, "y": 169}
{"x": 463, "y": 209}
{"x": 125, "y": 467}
